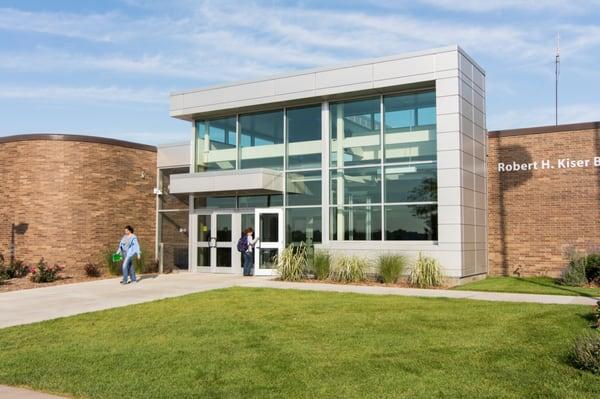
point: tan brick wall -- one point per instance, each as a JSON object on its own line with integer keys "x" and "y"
{"x": 533, "y": 216}
{"x": 75, "y": 197}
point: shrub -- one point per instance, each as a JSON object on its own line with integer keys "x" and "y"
{"x": 574, "y": 274}
{"x": 92, "y": 269}
{"x": 151, "y": 267}
{"x": 426, "y": 273}
{"x": 42, "y": 273}
{"x": 592, "y": 267}
{"x": 391, "y": 267}
{"x": 113, "y": 268}
{"x": 585, "y": 352}
{"x": 292, "y": 263}
{"x": 348, "y": 269}
{"x": 321, "y": 264}
{"x": 3, "y": 274}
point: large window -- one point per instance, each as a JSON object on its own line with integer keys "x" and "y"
{"x": 261, "y": 140}
{"x": 216, "y": 144}
{"x": 403, "y": 204}
{"x": 355, "y": 132}
{"x": 303, "y": 225}
{"x": 303, "y": 188}
{"x": 410, "y": 127}
{"x": 304, "y": 137}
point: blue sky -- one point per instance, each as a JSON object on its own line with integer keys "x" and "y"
{"x": 106, "y": 67}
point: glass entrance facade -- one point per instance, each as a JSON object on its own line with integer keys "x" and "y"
{"x": 354, "y": 170}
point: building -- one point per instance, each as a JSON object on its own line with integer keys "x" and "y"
{"x": 544, "y": 197}
{"x": 67, "y": 198}
{"x": 379, "y": 156}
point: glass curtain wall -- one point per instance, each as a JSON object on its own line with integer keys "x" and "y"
{"x": 382, "y": 165}
{"x": 383, "y": 177}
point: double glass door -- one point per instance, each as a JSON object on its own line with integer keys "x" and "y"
{"x": 217, "y": 233}
{"x": 216, "y": 242}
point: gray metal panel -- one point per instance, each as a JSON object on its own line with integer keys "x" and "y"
{"x": 321, "y": 83}
{"x": 231, "y": 181}
{"x": 173, "y": 155}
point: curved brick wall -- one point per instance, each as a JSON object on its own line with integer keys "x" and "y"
{"x": 535, "y": 214}
{"x": 75, "y": 193}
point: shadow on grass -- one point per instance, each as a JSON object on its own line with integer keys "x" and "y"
{"x": 553, "y": 283}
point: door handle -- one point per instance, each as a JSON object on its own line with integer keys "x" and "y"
{"x": 213, "y": 242}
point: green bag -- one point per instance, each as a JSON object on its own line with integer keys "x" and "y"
{"x": 117, "y": 257}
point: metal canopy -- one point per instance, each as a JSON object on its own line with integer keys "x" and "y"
{"x": 248, "y": 181}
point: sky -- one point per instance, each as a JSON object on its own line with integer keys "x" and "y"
{"x": 106, "y": 68}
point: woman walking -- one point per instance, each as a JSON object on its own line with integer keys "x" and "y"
{"x": 129, "y": 247}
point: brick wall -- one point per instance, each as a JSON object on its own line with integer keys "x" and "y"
{"x": 535, "y": 215}
{"x": 75, "y": 197}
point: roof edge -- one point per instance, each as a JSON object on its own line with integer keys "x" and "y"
{"x": 76, "y": 137}
{"x": 545, "y": 129}
{"x": 412, "y": 54}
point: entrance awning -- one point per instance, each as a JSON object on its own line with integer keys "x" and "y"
{"x": 247, "y": 181}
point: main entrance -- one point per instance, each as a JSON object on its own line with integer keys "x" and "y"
{"x": 215, "y": 234}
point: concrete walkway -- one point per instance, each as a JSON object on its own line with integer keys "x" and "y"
{"x": 19, "y": 393}
{"x": 23, "y": 307}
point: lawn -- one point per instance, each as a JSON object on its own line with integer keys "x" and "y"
{"x": 528, "y": 285}
{"x": 261, "y": 343}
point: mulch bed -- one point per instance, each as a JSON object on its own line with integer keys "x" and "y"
{"x": 373, "y": 283}
{"x": 25, "y": 283}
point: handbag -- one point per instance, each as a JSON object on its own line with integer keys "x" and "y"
{"x": 117, "y": 257}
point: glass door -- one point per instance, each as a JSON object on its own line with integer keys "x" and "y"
{"x": 269, "y": 231}
{"x": 203, "y": 242}
{"x": 223, "y": 245}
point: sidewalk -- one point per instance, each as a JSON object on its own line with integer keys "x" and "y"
{"x": 23, "y": 307}
{"x": 20, "y": 393}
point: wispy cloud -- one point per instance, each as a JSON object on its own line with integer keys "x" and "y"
{"x": 574, "y": 6}
{"x": 90, "y": 93}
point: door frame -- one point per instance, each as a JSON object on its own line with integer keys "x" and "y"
{"x": 213, "y": 244}
{"x": 260, "y": 244}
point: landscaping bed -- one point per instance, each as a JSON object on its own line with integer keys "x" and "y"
{"x": 257, "y": 343}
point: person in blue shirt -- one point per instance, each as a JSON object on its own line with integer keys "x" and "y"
{"x": 129, "y": 247}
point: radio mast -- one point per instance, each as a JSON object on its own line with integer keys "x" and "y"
{"x": 556, "y": 73}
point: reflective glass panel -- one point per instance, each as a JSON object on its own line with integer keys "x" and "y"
{"x": 203, "y": 228}
{"x": 224, "y": 228}
{"x": 410, "y": 127}
{"x": 411, "y": 183}
{"x": 304, "y": 137}
{"x": 261, "y": 140}
{"x": 411, "y": 222}
{"x": 355, "y": 132}
{"x": 303, "y": 225}
{"x": 214, "y": 202}
{"x": 223, "y": 257}
{"x": 303, "y": 188}
{"x": 203, "y": 258}
{"x": 269, "y": 227}
{"x": 356, "y": 186}
{"x": 216, "y": 144}
{"x": 355, "y": 223}
{"x": 267, "y": 258}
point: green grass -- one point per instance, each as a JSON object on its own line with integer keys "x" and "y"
{"x": 528, "y": 285}
{"x": 261, "y": 343}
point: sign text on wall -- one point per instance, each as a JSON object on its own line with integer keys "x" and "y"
{"x": 561, "y": 163}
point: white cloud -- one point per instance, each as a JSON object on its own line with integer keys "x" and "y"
{"x": 90, "y": 93}
{"x": 573, "y": 6}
